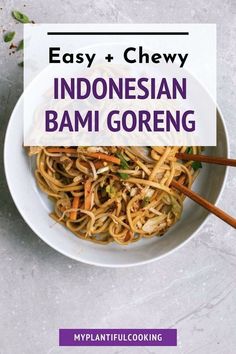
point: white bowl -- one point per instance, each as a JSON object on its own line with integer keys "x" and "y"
{"x": 35, "y": 207}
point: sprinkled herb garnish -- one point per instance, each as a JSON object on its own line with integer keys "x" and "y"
{"x": 189, "y": 150}
{"x": 123, "y": 165}
{"x": 9, "y": 36}
{"x": 123, "y": 175}
{"x": 19, "y": 16}
{"x": 196, "y": 165}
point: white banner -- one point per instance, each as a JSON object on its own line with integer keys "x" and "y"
{"x": 96, "y": 84}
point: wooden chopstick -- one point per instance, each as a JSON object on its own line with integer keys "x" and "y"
{"x": 207, "y": 159}
{"x": 204, "y": 203}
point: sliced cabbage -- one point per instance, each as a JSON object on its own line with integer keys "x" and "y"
{"x": 176, "y": 208}
{"x": 111, "y": 191}
{"x": 151, "y": 225}
{"x": 103, "y": 169}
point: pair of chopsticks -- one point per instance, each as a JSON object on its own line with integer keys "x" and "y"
{"x": 195, "y": 196}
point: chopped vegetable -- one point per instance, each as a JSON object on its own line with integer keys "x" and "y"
{"x": 152, "y": 224}
{"x": 166, "y": 199}
{"x": 123, "y": 175}
{"x": 123, "y": 163}
{"x": 189, "y": 150}
{"x": 196, "y": 165}
{"x": 97, "y": 164}
{"x": 111, "y": 191}
{"x": 75, "y": 205}
{"x": 19, "y": 16}
{"x": 176, "y": 207}
{"x": 65, "y": 150}
{"x": 9, "y": 36}
{"x": 145, "y": 202}
{"x": 20, "y": 45}
{"x": 124, "y": 166}
{"x": 105, "y": 157}
{"x": 87, "y": 194}
{"x": 103, "y": 169}
{"x": 128, "y": 236}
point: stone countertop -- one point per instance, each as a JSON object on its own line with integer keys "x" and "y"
{"x": 193, "y": 289}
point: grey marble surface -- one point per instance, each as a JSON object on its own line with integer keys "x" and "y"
{"x": 192, "y": 289}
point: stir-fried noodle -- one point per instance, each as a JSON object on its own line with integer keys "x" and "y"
{"x": 120, "y": 194}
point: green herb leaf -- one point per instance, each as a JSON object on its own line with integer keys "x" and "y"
{"x": 196, "y": 165}
{"x": 21, "y": 45}
{"x": 19, "y": 16}
{"x": 123, "y": 175}
{"x": 189, "y": 150}
{"x": 123, "y": 163}
{"x": 9, "y": 36}
{"x": 21, "y": 64}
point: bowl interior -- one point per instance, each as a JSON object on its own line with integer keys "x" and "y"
{"x": 34, "y": 206}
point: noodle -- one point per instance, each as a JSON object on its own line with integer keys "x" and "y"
{"x": 121, "y": 194}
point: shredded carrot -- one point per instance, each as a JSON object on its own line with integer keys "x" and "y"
{"x": 66, "y": 150}
{"x": 87, "y": 194}
{"x": 128, "y": 236}
{"x": 75, "y": 205}
{"x": 105, "y": 157}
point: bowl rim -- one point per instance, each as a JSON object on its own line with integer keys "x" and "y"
{"x": 95, "y": 263}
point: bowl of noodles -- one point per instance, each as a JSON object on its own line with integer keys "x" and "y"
{"x": 110, "y": 206}
{"x": 114, "y": 194}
